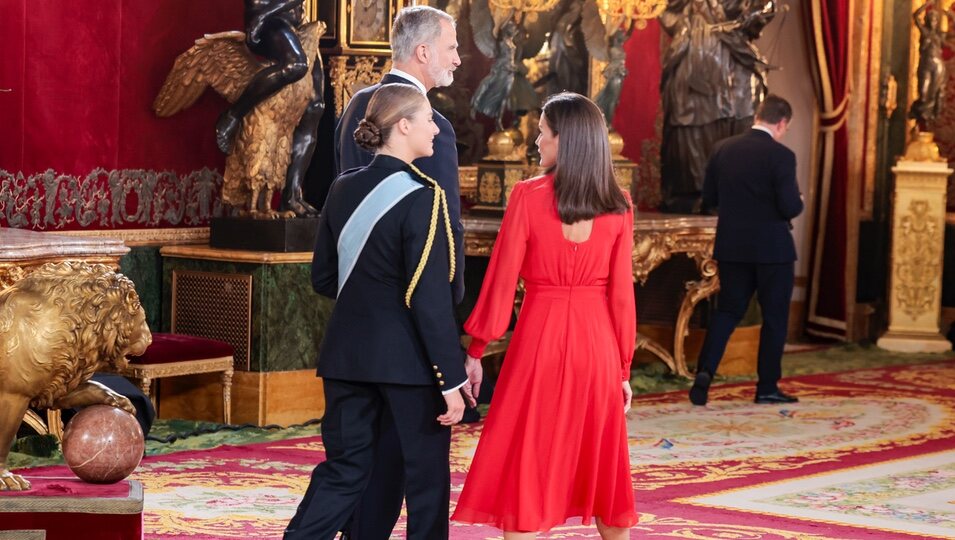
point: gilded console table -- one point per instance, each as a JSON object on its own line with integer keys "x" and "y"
{"x": 22, "y": 251}
{"x": 657, "y": 237}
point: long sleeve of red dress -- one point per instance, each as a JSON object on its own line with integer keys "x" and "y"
{"x": 492, "y": 314}
{"x": 620, "y": 292}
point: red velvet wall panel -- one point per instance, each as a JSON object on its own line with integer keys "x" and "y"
{"x": 12, "y": 43}
{"x": 82, "y": 77}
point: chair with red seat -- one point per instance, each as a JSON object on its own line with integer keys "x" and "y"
{"x": 172, "y": 355}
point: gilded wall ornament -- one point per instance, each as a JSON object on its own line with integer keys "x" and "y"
{"x": 511, "y": 178}
{"x": 350, "y": 74}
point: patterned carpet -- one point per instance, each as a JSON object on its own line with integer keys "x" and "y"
{"x": 865, "y": 454}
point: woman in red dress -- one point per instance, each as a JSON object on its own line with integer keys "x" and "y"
{"x": 555, "y": 442}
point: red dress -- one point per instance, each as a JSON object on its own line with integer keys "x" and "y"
{"x": 555, "y": 442}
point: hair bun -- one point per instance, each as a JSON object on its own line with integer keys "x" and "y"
{"x": 368, "y": 135}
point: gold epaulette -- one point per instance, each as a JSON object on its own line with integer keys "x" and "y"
{"x": 440, "y": 204}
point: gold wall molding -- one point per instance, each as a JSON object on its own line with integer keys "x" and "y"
{"x": 350, "y": 74}
{"x": 863, "y": 121}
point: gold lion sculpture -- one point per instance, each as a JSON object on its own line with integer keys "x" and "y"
{"x": 58, "y": 325}
{"x": 275, "y": 144}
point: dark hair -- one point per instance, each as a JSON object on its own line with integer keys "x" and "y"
{"x": 774, "y": 109}
{"x": 584, "y": 180}
{"x": 388, "y": 105}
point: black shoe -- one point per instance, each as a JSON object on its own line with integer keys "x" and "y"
{"x": 701, "y": 388}
{"x": 470, "y": 416}
{"x": 776, "y": 397}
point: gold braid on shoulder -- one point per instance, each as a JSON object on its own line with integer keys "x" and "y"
{"x": 440, "y": 204}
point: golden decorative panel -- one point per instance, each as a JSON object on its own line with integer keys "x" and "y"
{"x": 350, "y": 74}
{"x": 215, "y": 306}
{"x": 918, "y": 261}
{"x": 489, "y": 189}
{"x": 511, "y": 178}
{"x": 467, "y": 179}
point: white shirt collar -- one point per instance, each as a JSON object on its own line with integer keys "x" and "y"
{"x": 410, "y": 77}
{"x": 764, "y": 128}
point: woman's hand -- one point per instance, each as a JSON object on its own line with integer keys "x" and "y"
{"x": 455, "y": 409}
{"x": 627, "y": 396}
{"x": 475, "y": 372}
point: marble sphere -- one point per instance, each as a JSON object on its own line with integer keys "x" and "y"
{"x": 103, "y": 444}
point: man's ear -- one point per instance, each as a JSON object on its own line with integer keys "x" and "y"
{"x": 422, "y": 53}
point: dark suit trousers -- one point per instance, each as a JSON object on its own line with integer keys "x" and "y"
{"x": 380, "y": 505}
{"x": 773, "y": 285}
{"x": 350, "y": 433}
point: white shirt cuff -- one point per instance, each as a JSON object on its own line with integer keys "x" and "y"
{"x": 456, "y": 388}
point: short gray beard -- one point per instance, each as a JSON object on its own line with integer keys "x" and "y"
{"x": 441, "y": 77}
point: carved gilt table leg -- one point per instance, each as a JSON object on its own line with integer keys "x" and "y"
{"x": 696, "y": 291}
{"x": 649, "y": 252}
{"x": 643, "y": 342}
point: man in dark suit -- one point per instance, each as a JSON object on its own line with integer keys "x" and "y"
{"x": 384, "y": 352}
{"x": 751, "y": 179}
{"x": 424, "y": 54}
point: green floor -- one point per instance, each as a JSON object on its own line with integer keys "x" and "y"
{"x": 647, "y": 378}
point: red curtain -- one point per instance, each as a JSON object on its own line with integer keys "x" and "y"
{"x": 636, "y": 115}
{"x": 640, "y": 95}
{"x": 82, "y": 76}
{"x": 828, "y": 29}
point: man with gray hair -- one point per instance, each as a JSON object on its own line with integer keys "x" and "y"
{"x": 424, "y": 54}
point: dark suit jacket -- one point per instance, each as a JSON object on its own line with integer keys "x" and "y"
{"x": 442, "y": 165}
{"x": 751, "y": 178}
{"x": 372, "y": 336}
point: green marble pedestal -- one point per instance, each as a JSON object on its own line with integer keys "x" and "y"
{"x": 275, "y": 379}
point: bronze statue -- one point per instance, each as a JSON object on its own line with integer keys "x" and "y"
{"x": 568, "y": 58}
{"x": 58, "y": 325}
{"x": 605, "y": 43}
{"x": 270, "y": 33}
{"x": 508, "y": 42}
{"x": 273, "y": 150}
{"x": 931, "y": 68}
{"x": 712, "y": 79}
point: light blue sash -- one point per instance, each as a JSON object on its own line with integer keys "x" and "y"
{"x": 358, "y": 228}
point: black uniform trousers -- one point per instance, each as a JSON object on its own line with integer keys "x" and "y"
{"x": 773, "y": 285}
{"x": 350, "y": 433}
